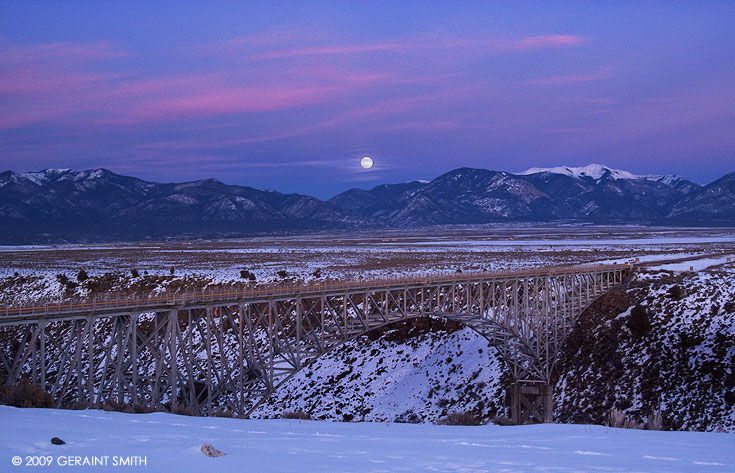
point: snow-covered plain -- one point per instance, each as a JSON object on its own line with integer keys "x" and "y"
{"x": 30, "y": 274}
{"x": 171, "y": 443}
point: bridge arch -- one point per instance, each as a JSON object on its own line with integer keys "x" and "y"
{"x": 212, "y": 352}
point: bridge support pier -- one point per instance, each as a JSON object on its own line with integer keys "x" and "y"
{"x": 531, "y": 401}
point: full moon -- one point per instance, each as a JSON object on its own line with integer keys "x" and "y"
{"x": 366, "y": 162}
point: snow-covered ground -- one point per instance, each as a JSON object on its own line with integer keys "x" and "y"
{"x": 408, "y": 374}
{"x": 695, "y": 265}
{"x": 171, "y": 443}
{"x": 31, "y": 274}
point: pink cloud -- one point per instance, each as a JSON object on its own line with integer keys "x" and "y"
{"x": 548, "y": 41}
{"x": 330, "y": 50}
{"x": 61, "y": 81}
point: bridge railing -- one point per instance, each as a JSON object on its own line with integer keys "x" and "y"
{"x": 111, "y": 302}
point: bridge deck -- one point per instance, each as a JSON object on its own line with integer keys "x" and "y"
{"x": 105, "y": 305}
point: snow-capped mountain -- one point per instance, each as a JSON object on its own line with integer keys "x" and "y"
{"x": 600, "y": 171}
{"x": 594, "y": 171}
{"x": 593, "y": 193}
{"x": 99, "y": 205}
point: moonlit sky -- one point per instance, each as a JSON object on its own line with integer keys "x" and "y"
{"x": 290, "y": 96}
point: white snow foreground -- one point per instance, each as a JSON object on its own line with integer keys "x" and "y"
{"x": 169, "y": 443}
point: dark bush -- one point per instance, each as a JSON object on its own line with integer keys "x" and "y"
{"x": 134, "y": 272}
{"x": 245, "y": 274}
{"x": 25, "y": 394}
{"x": 301, "y": 415}
{"x": 443, "y": 402}
{"x": 115, "y": 406}
{"x": 172, "y": 271}
{"x": 460, "y": 418}
{"x": 408, "y": 417}
{"x": 65, "y": 281}
{"x": 82, "y": 275}
{"x": 317, "y": 273}
{"x": 676, "y": 292}
{"x": 729, "y": 306}
{"x": 639, "y": 322}
{"x": 282, "y": 274}
{"x": 502, "y": 420}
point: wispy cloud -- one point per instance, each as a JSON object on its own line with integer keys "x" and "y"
{"x": 547, "y": 41}
{"x": 421, "y": 45}
{"x": 61, "y": 51}
{"x": 600, "y": 74}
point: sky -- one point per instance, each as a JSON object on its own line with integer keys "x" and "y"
{"x": 291, "y": 95}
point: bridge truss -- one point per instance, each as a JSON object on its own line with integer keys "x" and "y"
{"x": 227, "y": 351}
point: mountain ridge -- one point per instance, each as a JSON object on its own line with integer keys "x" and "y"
{"x": 62, "y": 205}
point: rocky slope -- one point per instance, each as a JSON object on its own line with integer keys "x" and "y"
{"x": 666, "y": 343}
{"x": 418, "y": 371}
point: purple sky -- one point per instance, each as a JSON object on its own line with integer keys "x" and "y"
{"x": 290, "y": 96}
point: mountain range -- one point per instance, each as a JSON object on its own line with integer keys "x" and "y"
{"x": 62, "y": 205}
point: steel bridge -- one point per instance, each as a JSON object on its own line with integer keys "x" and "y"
{"x": 228, "y": 349}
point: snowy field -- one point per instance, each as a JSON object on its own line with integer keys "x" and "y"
{"x": 170, "y": 443}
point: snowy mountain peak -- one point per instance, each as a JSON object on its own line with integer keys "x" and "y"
{"x": 595, "y": 171}
{"x": 43, "y": 176}
{"x": 598, "y": 171}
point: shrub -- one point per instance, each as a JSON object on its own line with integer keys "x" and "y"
{"x": 134, "y": 272}
{"x": 82, "y": 275}
{"x": 172, "y": 271}
{"x": 300, "y": 415}
{"x": 502, "y": 420}
{"x": 729, "y": 306}
{"x": 615, "y": 418}
{"x": 317, "y": 273}
{"x": 618, "y": 419}
{"x": 408, "y": 417}
{"x": 655, "y": 421}
{"x": 460, "y": 418}
{"x": 25, "y": 394}
{"x": 229, "y": 413}
{"x": 110, "y": 405}
{"x": 282, "y": 274}
{"x": 65, "y": 281}
{"x": 181, "y": 410}
{"x": 245, "y": 274}
{"x": 639, "y": 322}
{"x": 676, "y": 292}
